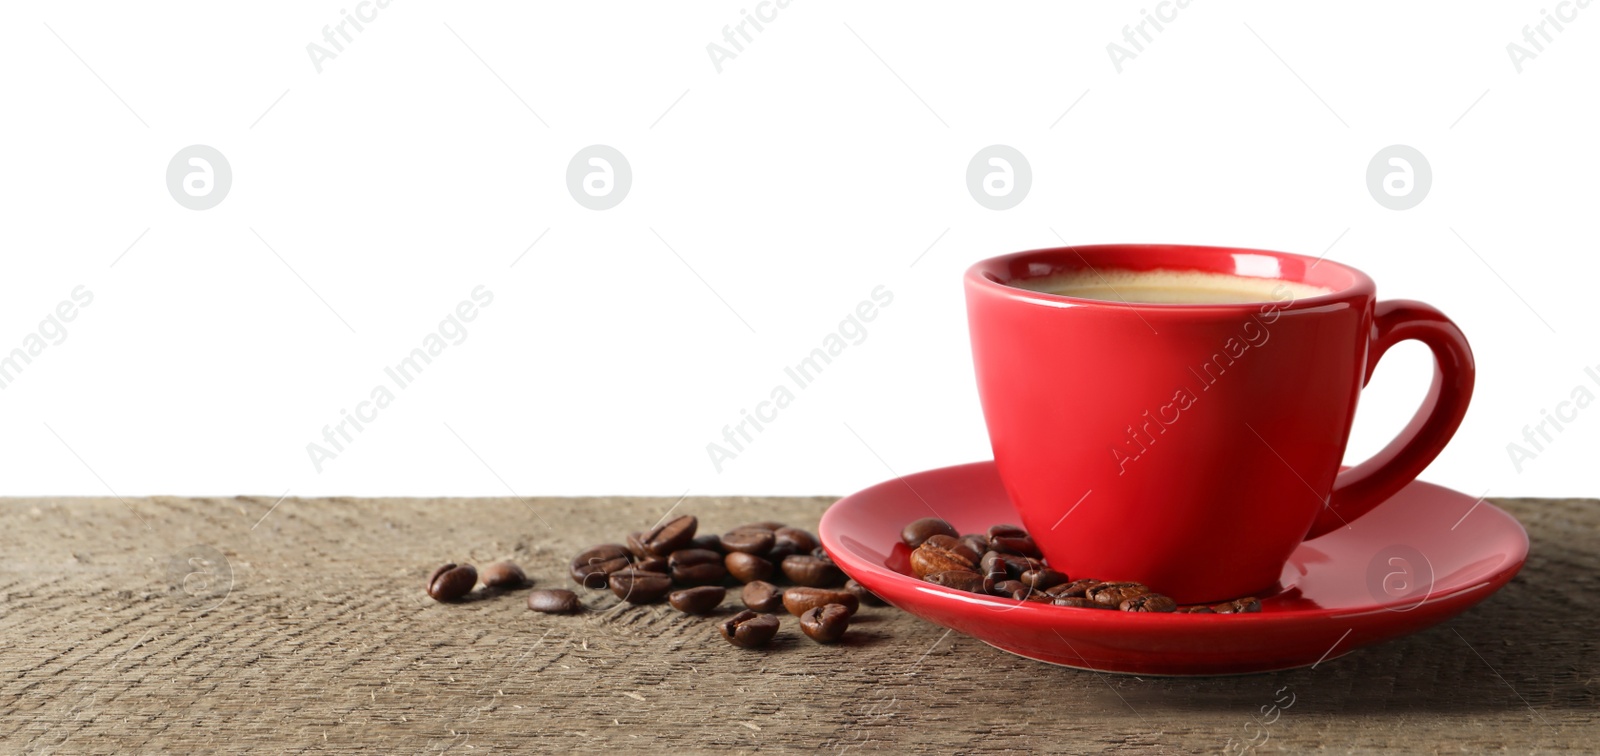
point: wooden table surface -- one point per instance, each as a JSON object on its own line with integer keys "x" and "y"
{"x": 316, "y": 637}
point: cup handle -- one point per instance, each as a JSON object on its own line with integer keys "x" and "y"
{"x": 1357, "y": 490}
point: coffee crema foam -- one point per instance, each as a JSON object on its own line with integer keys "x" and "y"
{"x": 1169, "y": 287}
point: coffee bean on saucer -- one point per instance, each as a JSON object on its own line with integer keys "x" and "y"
{"x": 826, "y": 623}
{"x": 761, "y": 596}
{"x": 811, "y": 571}
{"x": 452, "y": 581}
{"x": 697, "y": 600}
{"x": 937, "y": 555}
{"x": 959, "y": 546}
{"x": 553, "y": 601}
{"x": 866, "y": 597}
{"x": 504, "y": 575}
{"x": 798, "y": 600}
{"x": 748, "y": 629}
{"x": 1113, "y": 594}
{"x": 1077, "y": 601}
{"x": 918, "y": 531}
{"x": 696, "y": 567}
{"x": 669, "y": 536}
{"x": 1075, "y": 589}
{"x": 1043, "y": 578}
{"x": 1023, "y": 545}
{"x": 590, "y": 568}
{"x": 748, "y": 540}
{"x": 747, "y": 568}
{"x": 1248, "y": 605}
{"x": 637, "y": 586}
{"x": 1010, "y": 588}
{"x": 1196, "y": 610}
{"x": 961, "y": 580}
{"x": 1006, "y": 530}
{"x": 977, "y": 543}
{"x": 707, "y": 541}
{"x": 1149, "y": 602}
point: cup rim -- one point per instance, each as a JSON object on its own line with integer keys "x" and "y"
{"x": 1344, "y": 282}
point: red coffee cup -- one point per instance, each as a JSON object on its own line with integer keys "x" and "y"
{"x": 1192, "y": 447}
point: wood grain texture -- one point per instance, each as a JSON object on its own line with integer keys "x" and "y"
{"x": 326, "y": 643}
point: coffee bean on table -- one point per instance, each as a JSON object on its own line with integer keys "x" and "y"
{"x": 826, "y": 623}
{"x": 919, "y": 530}
{"x": 637, "y": 586}
{"x": 652, "y": 564}
{"x": 1149, "y": 602}
{"x": 636, "y": 545}
{"x": 761, "y": 596}
{"x": 814, "y": 572}
{"x": 504, "y": 575}
{"x": 746, "y": 568}
{"x": 696, "y": 567}
{"x": 553, "y": 601}
{"x": 707, "y": 541}
{"x": 787, "y": 540}
{"x": 749, "y": 540}
{"x": 697, "y": 600}
{"x": 748, "y": 629}
{"x": 866, "y": 597}
{"x": 670, "y": 536}
{"x": 961, "y": 580}
{"x": 1113, "y": 594}
{"x": 936, "y": 555}
{"x": 768, "y": 526}
{"x": 452, "y": 581}
{"x": 797, "y": 600}
{"x": 590, "y": 568}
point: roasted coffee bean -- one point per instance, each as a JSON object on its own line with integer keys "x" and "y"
{"x": 1238, "y": 606}
{"x": 807, "y": 570}
{"x": 652, "y": 564}
{"x": 553, "y": 601}
{"x": 961, "y": 580}
{"x": 1074, "y": 589}
{"x": 670, "y": 536}
{"x": 1113, "y": 594}
{"x": 767, "y": 525}
{"x": 452, "y": 581}
{"x": 637, "y": 586}
{"x": 1006, "y": 530}
{"x": 761, "y": 596}
{"x": 748, "y": 629}
{"x": 794, "y": 540}
{"x": 1039, "y": 597}
{"x": 636, "y": 545}
{"x": 1010, "y": 588}
{"x": 918, "y": 532}
{"x": 1043, "y": 578}
{"x": 1023, "y": 545}
{"x": 1149, "y": 602}
{"x": 504, "y": 575}
{"x": 826, "y": 623}
{"x": 1196, "y": 610}
{"x": 977, "y": 543}
{"x": 958, "y": 546}
{"x": 866, "y": 597}
{"x": 709, "y": 542}
{"x": 590, "y": 568}
{"x": 992, "y": 567}
{"x": 936, "y": 555}
{"x": 696, "y": 567}
{"x": 697, "y": 600}
{"x": 746, "y": 568}
{"x": 748, "y": 540}
{"x": 1076, "y": 601}
{"x": 798, "y": 600}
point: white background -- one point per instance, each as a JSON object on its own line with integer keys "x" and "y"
{"x": 821, "y": 162}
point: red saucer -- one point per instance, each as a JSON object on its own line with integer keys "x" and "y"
{"x": 1420, "y": 558}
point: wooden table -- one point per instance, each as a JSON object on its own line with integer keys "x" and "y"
{"x": 323, "y": 641}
